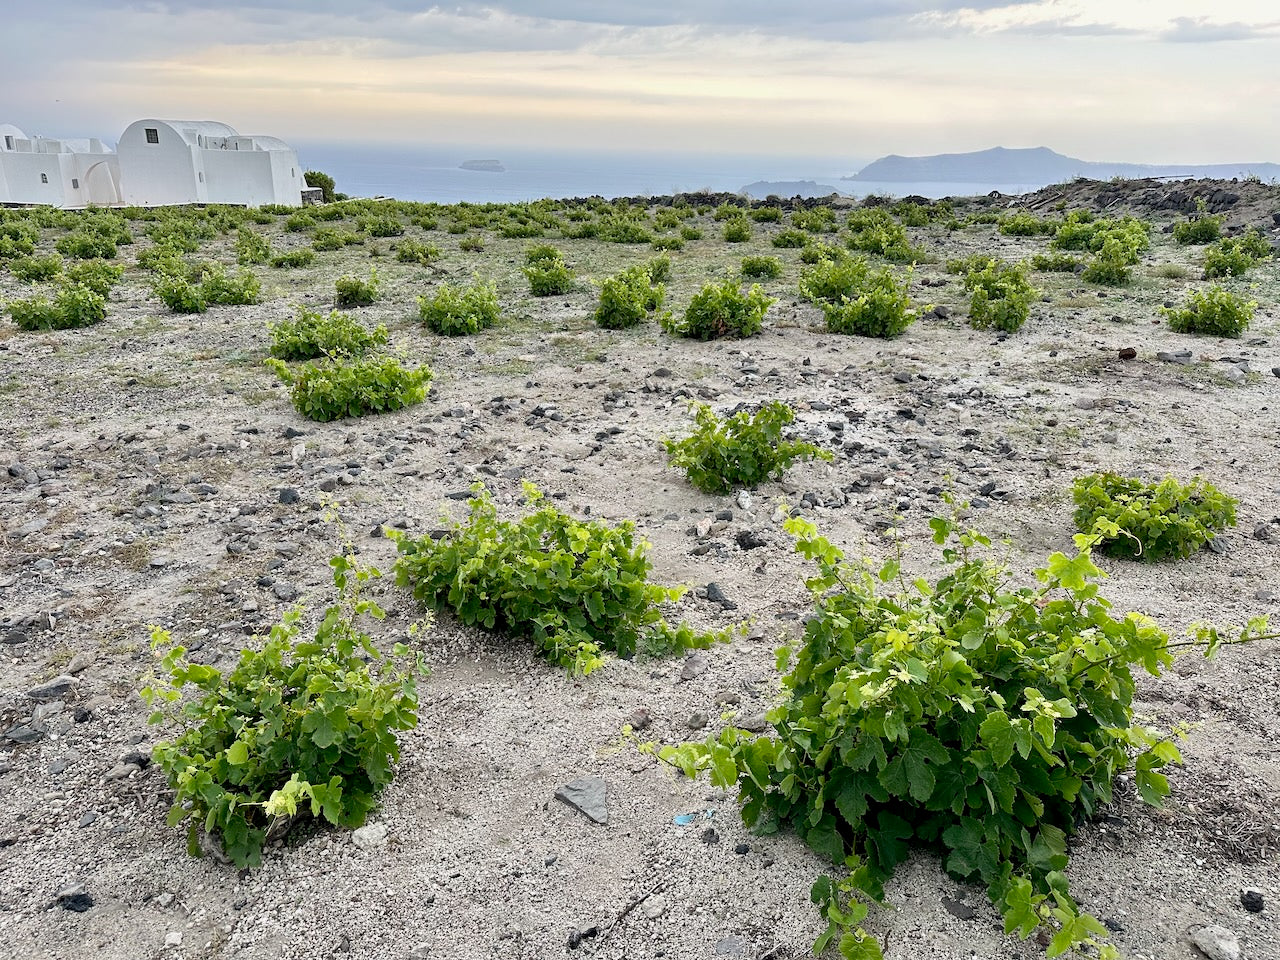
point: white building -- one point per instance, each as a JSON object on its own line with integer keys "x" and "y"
{"x": 202, "y": 161}
{"x": 61, "y": 173}
{"x": 156, "y": 163}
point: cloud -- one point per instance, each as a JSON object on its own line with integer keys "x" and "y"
{"x": 1204, "y": 30}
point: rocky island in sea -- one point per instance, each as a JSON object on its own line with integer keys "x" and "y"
{"x": 483, "y": 166}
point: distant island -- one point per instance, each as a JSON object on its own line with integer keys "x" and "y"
{"x": 1040, "y": 165}
{"x": 483, "y": 166}
{"x": 788, "y": 188}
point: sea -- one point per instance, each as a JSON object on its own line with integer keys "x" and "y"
{"x": 435, "y": 174}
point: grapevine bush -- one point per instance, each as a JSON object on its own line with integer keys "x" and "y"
{"x": 1000, "y": 297}
{"x": 629, "y": 298}
{"x": 1235, "y": 256}
{"x": 1201, "y": 228}
{"x": 97, "y": 275}
{"x": 547, "y": 272}
{"x": 252, "y": 247}
{"x": 577, "y": 588}
{"x": 72, "y": 307}
{"x": 414, "y": 251}
{"x": 455, "y": 311}
{"x": 300, "y": 726}
{"x": 312, "y": 334}
{"x": 742, "y": 450}
{"x": 762, "y": 268}
{"x": 301, "y": 257}
{"x": 354, "y": 292}
{"x": 1153, "y": 521}
{"x": 36, "y": 269}
{"x": 967, "y": 715}
{"x": 1217, "y": 312}
{"x": 722, "y": 310}
{"x": 338, "y": 387}
{"x": 855, "y": 299}
{"x": 874, "y": 230}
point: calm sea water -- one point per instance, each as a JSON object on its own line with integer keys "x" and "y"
{"x": 434, "y": 174}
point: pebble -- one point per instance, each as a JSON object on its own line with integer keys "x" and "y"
{"x": 730, "y": 946}
{"x": 655, "y": 906}
{"x": 370, "y": 836}
{"x": 640, "y": 718}
{"x": 754, "y": 723}
{"x": 1251, "y": 899}
{"x": 1174, "y": 356}
{"x": 694, "y": 666}
{"x": 80, "y": 663}
{"x": 1128, "y": 353}
{"x": 1216, "y": 943}
{"x": 696, "y": 720}
{"x": 716, "y": 595}
{"x": 173, "y": 939}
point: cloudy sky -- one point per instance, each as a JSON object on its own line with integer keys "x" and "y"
{"x": 1135, "y": 80}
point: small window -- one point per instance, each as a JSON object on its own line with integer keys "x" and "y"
{"x": 292, "y": 172}
{"x": 202, "y": 177}
{"x": 44, "y": 178}
{"x": 153, "y": 135}
{"x": 8, "y": 143}
{"x": 75, "y": 184}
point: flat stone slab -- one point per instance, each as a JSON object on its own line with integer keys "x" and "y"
{"x": 587, "y": 795}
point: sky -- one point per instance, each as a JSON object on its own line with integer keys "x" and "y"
{"x": 1122, "y": 80}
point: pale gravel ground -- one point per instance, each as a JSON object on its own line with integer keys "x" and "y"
{"x": 481, "y": 861}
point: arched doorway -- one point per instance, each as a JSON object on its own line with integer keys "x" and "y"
{"x": 100, "y": 183}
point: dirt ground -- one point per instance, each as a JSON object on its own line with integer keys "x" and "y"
{"x": 148, "y": 472}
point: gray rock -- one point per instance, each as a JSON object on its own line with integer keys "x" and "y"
{"x": 285, "y": 591}
{"x": 288, "y": 495}
{"x": 655, "y": 906}
{"x": 750, "y": 540}
{"x": 640, "y": 718}
{"x": 753, "y": 723}
{"x": 696, "y": 720}
{"x": 959, "y": 909}
{"x": 1216, "y": 943}
{"x": 55, "y": 689}
{"x": 728, "y": 697}
{"x": 24, "y": 733}
{"x": 80, "y": 662}
{"x": 731, "y": 946}
{"x": 1251, "y": 899}
{"x": 694, "y": 666}
{"x": 587, "y": 795}
{"x": 370, "y": 836}
{"x": 13, "y": 636}
{"x": 74, "y": 896}
{"x": 716, "y": 595}
{"x": 1174, "y": 356}
{"x": 122, "y": 771}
